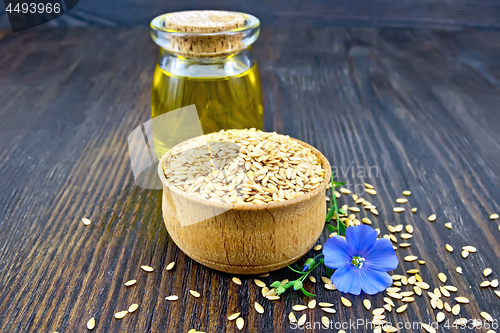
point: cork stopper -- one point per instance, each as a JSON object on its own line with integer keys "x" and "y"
{"x": 205, "y": 21}
{"x": 199, "y": 22}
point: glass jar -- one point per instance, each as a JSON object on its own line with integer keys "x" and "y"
{"x": 215, "y": 71}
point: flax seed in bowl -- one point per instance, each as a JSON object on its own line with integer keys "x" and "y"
{"x": 244, "y": 201}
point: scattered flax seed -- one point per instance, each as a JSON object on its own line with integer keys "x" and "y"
{"x": 299, "y": 307}
{"x": 325, "y": 305}
{"x": 325, "y": 321}
{"x": 449, "y": 248}
{"x": 263, "y": 275}
{"x": 91, "y": 323}
{"x": 497, "y": 292}
{"x": 354, "y": 209}
{"x": 371, "y": 191}
{"x": 409, "y": 229}
{"x": 374, "y": 211}
{"x": 194, "y": 293}
{"x": 459, "y": 270}
{"x": 172, "y": 298}
{"x": 411, "y": 258}
{"x": 440, "y": 317}
{"x": 493, "y": 216}
{"x": 346, "y": 302}
{"x": 344, "y": 191}
{"x": 330, "y": 286}
{"x": 487, "y": 271}
{"x": 133, "y": 307}
{"x": 377, "y": 311}
{"x": 402, "y": 308}
{"x": 86, "y": 221}
{"x": 412, "y": 280}
{"x": 428, "y": 328}
{"x": 233, "y": 316}
{"x": 421, "y": 262}
{"x": 463, "y": 300}
{"x": 442, "y": 277}
{"x": 465, "y": 254}
{"x": 121, "y": 314}
{"x": 367, "y": 304}
{"x": 414, "y": 210}
{"x": 451, "y": 288}
{"x": 389, "y": 329}
{"x": 170, "y": 266}
{"x": 366, "y": 220}
{"x": 448, "y": 225}
{"x": 273, "y": 298}
{"x": 447, "y": 307}
{"x": 265, "y": 291}
{"x": 395, "y": 295}
{"x": 311, "y": 304}
{"x": 401, "y": 200}
{"x": 388, "y": 307}
{"x": 398, "y": 209}
{"x": 130, "y": 283}
{"x": 302, "y": 320}
{"x": 236, "y": 280}
{"x": 370, "y": 186}
{"x": 470, "y": 249}
{"x": 389, "y": 301}
{"x": 326, "y": 280}
{"x": 485, "y": 284}
{"x": 413, "y": 271}
{"x": 259, "y": 283}
{"x": 312, "y": 279}
{"x": 422, "y": 285}
{"x": 494, "y": 283}
{"x": 318, "y": 247}
{"x": 404, "y": 245}
{"x": 393, "y": 289}
{"x": 407, "y": 299}
{"x": 292, "y": 318}
{"x": 406, "y": 236}
{"x": 240, "y": 323}
{"x": 444, "y": 291}
{"x": 455, "y": 310}
{"x": 329, "y": 310}
{"x": 487, "y": 316}
{"x": 432, "y": 218}
{"x": 259, "y": 308}
{"x": 147, "y": 268}
{"x": 396, "y": 277}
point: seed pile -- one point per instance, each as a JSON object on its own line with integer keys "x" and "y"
{"x": 244, "y": 166}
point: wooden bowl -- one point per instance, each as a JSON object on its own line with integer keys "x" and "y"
{"x": 245, "y": 238}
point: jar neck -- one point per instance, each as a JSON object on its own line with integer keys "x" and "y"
{"x": 214, "y": 67}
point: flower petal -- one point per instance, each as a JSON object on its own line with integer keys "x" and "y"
{"x": 361, "y": 238}
{"x": 373, "y": 281}
{"x": 337, "y": 252}
{"x": 381, "y": 256}
{"x": 346, "y": 279}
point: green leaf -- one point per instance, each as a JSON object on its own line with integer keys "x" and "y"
{"x": 331, "y": 228}
{"x": 296, "y": 271}
{"x": 280, "y": 290}
{"x": 341, "y": 211}
{"x": 337, "y": 183}
{"x": 328, "y": 271}
{"x": 308, "y": 294}
{"x": 275, "y": 284}
{"x": 298, "y": 285}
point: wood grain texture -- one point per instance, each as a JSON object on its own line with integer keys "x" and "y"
{"x": 447, "y": 14}
{"x": 418, "y": 106}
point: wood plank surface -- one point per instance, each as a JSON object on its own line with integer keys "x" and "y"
{"x": 444, "y": 14}
{"x": 418, "y": 109}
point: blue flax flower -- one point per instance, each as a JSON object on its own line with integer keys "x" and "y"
{"x": 361, "y": 261}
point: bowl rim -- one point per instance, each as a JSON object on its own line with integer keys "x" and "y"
{"x": 250, "y": 206}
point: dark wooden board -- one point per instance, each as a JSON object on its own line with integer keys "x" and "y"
{"x": 447, "y": 14}
{"x": 418, "y": 106}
